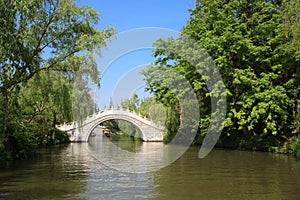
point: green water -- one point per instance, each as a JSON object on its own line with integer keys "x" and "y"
{"x": 71, "y": 173}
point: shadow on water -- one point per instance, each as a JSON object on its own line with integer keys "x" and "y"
{"x": 228, "y": 174}
{"x": 54, "y": 174}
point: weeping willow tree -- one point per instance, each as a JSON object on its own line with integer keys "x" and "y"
{"x": 43, "y": 43}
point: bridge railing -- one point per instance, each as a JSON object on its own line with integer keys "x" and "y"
{"x": 112, "y": 111}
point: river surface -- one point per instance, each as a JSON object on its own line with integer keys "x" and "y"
{"x": 76, "y": 172}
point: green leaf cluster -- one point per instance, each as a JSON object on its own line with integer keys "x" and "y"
{"x": 45, "y": 47}
{"x": 252, "y": 44}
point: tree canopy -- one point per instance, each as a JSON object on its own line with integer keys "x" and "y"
{"x": 257, "y": 60}
{"x": 44, "y": 46}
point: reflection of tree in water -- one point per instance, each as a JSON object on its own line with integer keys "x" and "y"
{"x": 53, "y": 174}
{"x": 127, "y": 143}
{"x": 124, "y": 134}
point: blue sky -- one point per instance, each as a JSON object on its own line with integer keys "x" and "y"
{"x": 127, "y": 16}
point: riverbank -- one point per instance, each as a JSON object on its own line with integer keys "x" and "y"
{"x": 28, "y": 142}
{"x": 289, "y": 147}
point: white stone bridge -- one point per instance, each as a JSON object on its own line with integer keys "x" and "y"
{"x": 150, "y": 132}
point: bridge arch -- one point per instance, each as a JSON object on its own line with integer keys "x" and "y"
{"x": 149, "y": 130}
{"x": 111, "y": 117}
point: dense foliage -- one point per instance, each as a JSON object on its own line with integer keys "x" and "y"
{"x": 254, "y": 45}
{"x": 44, "y": 46}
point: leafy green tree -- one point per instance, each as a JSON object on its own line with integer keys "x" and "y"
{"x": 291, "y": 16}
{"x": 111, "y": 103}
{"x": 37, "y": 38}
{"x": 135, "y": 102}
{"x": 131, "y": 104}
{"x": 83, "y": 102}
{"x": 113, "y": 125}
{"x": 125, "y": 103}
{"x": 170, "y": 88}
{"x": 292, "y": 27}
{"x": 128, "y": 129}
{"x": 46, "y": 34}
{"x": 46, "y": 101}
{"x": 247, "y": 41}
{"x": 47, "y": 98}
{"x": 145, "y": 106}
{"x": 244, "y": 39}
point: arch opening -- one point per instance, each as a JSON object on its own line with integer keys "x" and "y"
{"x": 123, "y": 134}
{"x": 117, "y": 127}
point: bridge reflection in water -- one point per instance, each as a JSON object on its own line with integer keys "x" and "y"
{"x": 123, "y": 153}
{"x": 71, "y": 173}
